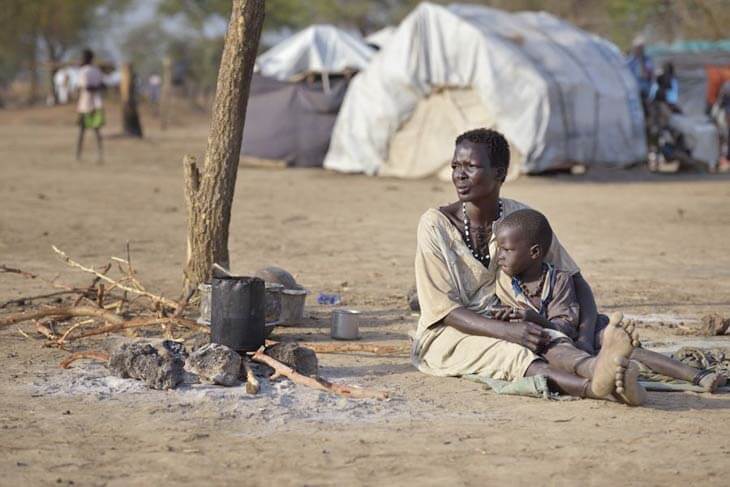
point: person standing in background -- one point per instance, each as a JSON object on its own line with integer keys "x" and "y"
{"x": 642, "y": 67}
{"x": 90, "y": 107}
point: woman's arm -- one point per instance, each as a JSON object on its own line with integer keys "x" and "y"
{"x": 528, "y": 335}
{"x": 588, "y": 314}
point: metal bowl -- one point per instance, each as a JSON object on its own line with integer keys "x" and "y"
{"x": 345, "y": 324}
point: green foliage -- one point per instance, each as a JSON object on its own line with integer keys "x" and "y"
{"x": 41, "y": 32}
{"x": 33, "y": 32}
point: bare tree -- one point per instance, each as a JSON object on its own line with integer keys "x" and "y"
{"x": 209, "y": 192}
{"x": 130, "y": 116}
{"x": 165, "y": 104}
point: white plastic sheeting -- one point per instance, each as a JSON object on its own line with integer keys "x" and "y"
{"x": 559, "y": 94}
{"x": 318, "y": 49}
{"x": 701, "y": 137}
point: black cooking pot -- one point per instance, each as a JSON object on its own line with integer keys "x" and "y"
{"x": 237, "y": 312}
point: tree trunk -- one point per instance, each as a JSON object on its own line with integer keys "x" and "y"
{"x": 130, "y": 117}
{"x": 33, "y": 73}
{"x": 53, "y": 93}
{"x": 209, "y": 192}
{"x": 165, "y": 92}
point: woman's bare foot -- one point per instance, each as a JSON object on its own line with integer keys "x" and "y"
{"x": 711, "y": 382}
{"x": 619, "y": 341}
{"x": 628, "y": 389}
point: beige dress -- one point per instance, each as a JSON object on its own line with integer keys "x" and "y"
{"x": 449, "y": 277}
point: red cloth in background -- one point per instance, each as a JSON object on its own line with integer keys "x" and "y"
{"x": 716, "y": 76}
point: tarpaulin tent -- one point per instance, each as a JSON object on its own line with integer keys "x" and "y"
{"x": 296, "y": 93}
{"x": 291, "y": 121}
{"x": 559, "y": 94}
{"x": 316, "y": 49}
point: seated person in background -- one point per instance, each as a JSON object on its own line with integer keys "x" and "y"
{"x": 666, "y": 142}
{"x": 529, "y": 289}
{"x": 666, "y": 88}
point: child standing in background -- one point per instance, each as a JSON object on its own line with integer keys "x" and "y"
{"x": 90, "y": 107}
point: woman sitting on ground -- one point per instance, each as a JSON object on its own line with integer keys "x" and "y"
{"x": 455, "y": 279}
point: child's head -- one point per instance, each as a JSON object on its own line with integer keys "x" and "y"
{"x": 524, "y": 237}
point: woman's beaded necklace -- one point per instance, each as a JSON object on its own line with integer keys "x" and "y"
{"x": 481, "y": 254}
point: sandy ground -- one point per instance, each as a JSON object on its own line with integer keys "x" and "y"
{"x": 648, "y": 244}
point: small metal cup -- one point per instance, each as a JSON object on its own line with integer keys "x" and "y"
{"x": 345, "y": 324}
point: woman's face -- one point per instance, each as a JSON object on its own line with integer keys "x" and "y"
{"x": 473, "y": 175}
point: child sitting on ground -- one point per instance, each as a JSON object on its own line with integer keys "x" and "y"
{"x": 530, "y": 289}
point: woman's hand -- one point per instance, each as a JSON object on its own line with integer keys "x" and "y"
{"x": 521, "y": 332}
{"x": 507, "y": 313}
{"x": 529, "y": 335}
{"x": 502, "y": 313}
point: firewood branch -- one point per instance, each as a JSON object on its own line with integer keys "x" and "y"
{"x": 252, "y": 383}
{"x": 317, "y": 382}
{"x": 167, "y": 302}
{"x": 61, "y": 311}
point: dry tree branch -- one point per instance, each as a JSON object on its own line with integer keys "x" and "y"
{"x": 61, "y": 340}
{"x": 158, "y": 299}
{"x": 179, "y": 311}
{"x": 317, "y": 382}
{"x": 45, "y": 330}
{"x": 116, "y": 322}
{"x": 65, "y": 311}
{"x": 100, "y": 356}
{"x": 23, "y": 333}
{"x": 112, "y": 327}
{"x": 135, "y": 323}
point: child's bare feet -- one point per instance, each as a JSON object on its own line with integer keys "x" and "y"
{"x": 628, "y": 389}
{"x": 619, "y": 341}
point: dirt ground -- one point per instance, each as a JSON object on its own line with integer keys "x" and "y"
{"x": 648, "y": 244}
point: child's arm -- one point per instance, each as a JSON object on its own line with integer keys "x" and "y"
{"x": 563, "y": 309}
{"x": 588, "y": 314}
